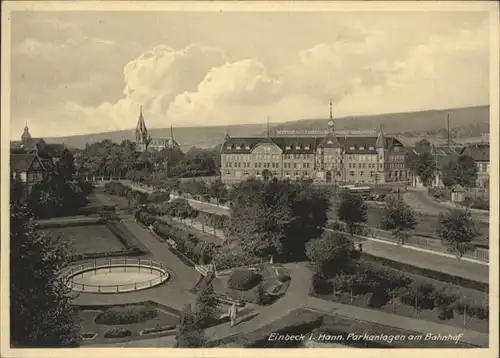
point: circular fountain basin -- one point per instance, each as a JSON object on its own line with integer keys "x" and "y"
{"x": 116, "y": 277}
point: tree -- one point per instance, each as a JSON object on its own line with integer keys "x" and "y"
{"x": 66, "y": 165}
{"x": 218, "y": 190}
{"x": 41, "y": 314}
{"x": 399, "y": 218}
{"x": 425, "y": 168}
{"x": 353, "y": 211}
{"x": 331, "y": 253}
{"x": 463, "y": 171}
{"x": 206, "y": 304}
{"x": 266, "y": 174}
{"x": 423, "y": 146}
{"x": 457, "y": 229}
{"x": 276, "y": 218}
{"x": 189, "y": 333}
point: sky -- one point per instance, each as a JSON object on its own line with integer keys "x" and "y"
{"x": 87, "y": 72}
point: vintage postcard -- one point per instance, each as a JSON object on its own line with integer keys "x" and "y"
{"x": 208, "y": 178}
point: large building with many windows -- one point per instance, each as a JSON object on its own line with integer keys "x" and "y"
{"x": 331, "y": 158}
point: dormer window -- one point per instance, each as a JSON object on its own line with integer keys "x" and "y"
{"x": 306, "y": 147}
{"x": 297, "y": 147}
{"x": 371, "y": 147}
{"x": 247, "y": 147}
{"x": 238, "y": 147}
{"x": 228, "y": 147}
{"x": 351, "y": 147}
{"x": 362, "y": 148}
{"x": 288, "y": 147}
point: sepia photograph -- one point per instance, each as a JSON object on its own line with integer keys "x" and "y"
{"x": 249, "y": 175}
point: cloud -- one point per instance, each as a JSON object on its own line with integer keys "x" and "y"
{"x": 378, "y": 70}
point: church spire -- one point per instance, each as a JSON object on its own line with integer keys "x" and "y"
{"x": 26, "y": 134}
{"x": 141, "y": 124}
{"x": 380, "y": 138}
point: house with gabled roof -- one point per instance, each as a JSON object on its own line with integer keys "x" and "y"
{"x": 480, "y": 152}
{"x": 30, "y": 169}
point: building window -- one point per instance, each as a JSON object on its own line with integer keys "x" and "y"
{"x": 297, "y": 147}
{"x": 288, "y": 147}
{"x": 306, "y": 147}
{"x": 275, "y": 173}
{"x": 306, "y": 173}
{"x": 297, "y": 174}
{"x": 228, "y": 147}
{"x": 238, "y": 147}
{"x": 247, "y": 147}
{"x": 372, "y": 148}
{"x": 287, "y": 173}
{"x": 351, "y": 173}
{"x": 361, "y": 173}
{"x": 372, "y": 174}
{"x": 362, "y": 148}
{"x": 351, "y": 147}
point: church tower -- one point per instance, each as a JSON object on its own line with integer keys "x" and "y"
{"x": 142, "y": 138}
{"x": 26, "y": 134}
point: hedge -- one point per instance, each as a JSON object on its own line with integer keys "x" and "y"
{"x": 98, "y": 255}
{"x": 127, "y": 238}
{"x": 70, "y": 221}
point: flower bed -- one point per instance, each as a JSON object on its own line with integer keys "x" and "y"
{"x": 126, "y": 315}
{"x": 243, "y": 280}
{"x": 117, "y": 333}
{"x": 158, "y": 330}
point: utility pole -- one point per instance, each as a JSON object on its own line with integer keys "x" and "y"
{"x": 448, "y": 128}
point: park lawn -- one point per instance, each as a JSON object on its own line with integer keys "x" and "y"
{"x": 470, "y": 295}
{"x": 86, "y": 320}
{"x": 88, "y": 239}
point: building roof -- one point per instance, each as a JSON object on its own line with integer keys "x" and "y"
{"x": 305, "y": 145}
{"x": 458, "y": 189}
{"x": 478, "y": 152}
{"x": 30, "y": 144}
{"x": 21, "y": 162}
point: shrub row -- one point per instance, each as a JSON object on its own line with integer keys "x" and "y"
{"x": 187, "y": 244}
{"x": 116, "y": 188}
{"x": 98, "y": 255}
{"x": 212, "y": 219}
{"x": 70, "y": 221}
{"x": 127, "y": 238}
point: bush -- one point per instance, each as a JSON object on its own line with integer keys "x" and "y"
{"x": 117, "y": 333}
{"x": 320, "y": 285}
{"x": 420, "y": 296}
{"x": 445, "y": 311}
{"x": 378, "y": 298}
{"x": 159, "y": 197}
{"x": 126, "y": 315}
{"x": 243, "y": 280}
